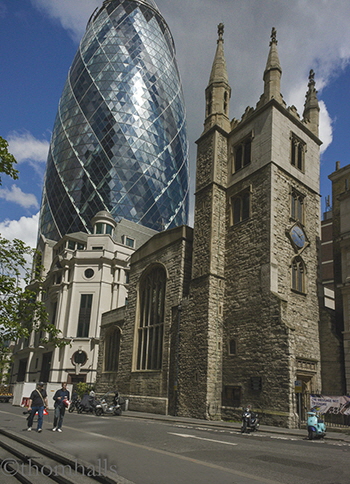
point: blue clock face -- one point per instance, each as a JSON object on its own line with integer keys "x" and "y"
{"x": 298, "y": 236}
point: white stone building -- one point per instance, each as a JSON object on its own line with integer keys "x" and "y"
{"x": 86, "y": 275}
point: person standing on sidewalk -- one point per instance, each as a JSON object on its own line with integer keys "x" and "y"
{"x": 37, "y": 403}
{"x": 61, "y": 398}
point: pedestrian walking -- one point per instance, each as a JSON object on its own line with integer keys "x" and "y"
{"x": 61, "y": 398}
{"x": 37, "y": 403}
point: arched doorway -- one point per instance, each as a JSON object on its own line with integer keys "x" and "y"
{"x": 306, "y": 379}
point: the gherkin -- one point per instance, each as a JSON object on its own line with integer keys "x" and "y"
{"x": 119, "y": 141}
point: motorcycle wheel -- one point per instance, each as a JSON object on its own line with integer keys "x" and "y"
{"x": 243, "y": 428}
{"x": 118, "y": 411}
{"x": 80, "y": 409}
{"x": 312, "y": 435}
{"x": 98, "y": 412}
{"x": 71, "y": 408}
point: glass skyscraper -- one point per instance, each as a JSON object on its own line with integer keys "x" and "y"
{"x": 119, "y": 141}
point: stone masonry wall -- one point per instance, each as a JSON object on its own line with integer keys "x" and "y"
{"x": 302, "y": 313}
{"x": 148, "y": 390}
{"x": 200, "y": 381}
{"x": 332, "y": 355}
{"x": 272, "y": 329}
{"x": 252, "y": 314}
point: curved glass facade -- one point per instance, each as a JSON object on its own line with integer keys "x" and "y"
{"x": 120, "y": 140}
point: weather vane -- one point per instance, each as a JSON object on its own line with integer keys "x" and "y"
{"x": 220, "y": 31}
{"x": 273, "y": 36}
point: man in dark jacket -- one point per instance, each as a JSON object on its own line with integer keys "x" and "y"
{"x": 37, "y": 403}
{"x": 61, "y": 398}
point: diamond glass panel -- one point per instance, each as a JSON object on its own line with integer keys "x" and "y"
{"x": 119, "y": 141}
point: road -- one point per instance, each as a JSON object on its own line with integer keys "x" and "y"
{"x": 147, "y": 451}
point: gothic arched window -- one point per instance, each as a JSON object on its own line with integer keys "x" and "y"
{"x": 241, "y": 207}
{"x": 297, "y": 206}
{"x": 242, "y": 153}
{"x": 298, "y": 150}
{"x": 298, "y": 275}
{"x": 151, "y": 320}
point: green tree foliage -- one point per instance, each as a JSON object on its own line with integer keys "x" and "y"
{"x": 21, "y": 310}
{"x": 82, "y": 388}
{"x": 7, "y": 161}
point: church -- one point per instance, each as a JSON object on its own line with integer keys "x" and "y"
{"x": 227, "y": 314}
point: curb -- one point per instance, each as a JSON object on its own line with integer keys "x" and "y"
{"x": 343, "y": 434}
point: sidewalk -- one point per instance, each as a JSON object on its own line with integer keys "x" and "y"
{"x": 333, "y": 433}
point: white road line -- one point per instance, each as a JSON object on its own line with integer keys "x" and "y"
{"x": 201, "y": 438}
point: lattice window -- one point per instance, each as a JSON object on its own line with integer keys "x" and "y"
{"x": 112, "y": 346}
{"x": 151, "y": 322}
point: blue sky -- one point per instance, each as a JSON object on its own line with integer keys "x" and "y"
{"x": 39, "y": 38}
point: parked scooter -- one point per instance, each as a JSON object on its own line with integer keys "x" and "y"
{"x": 250, "y": 421}
{"x": 114, "y": 408}
{"x": 316, "y": 427}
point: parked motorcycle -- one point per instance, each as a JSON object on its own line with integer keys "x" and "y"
{"x": 114, "y": 408}
{"x": 316, "y": 426}
{"x": 250, "y": 421}
{"x": 88, "y": 403}
{"x": 74, "y": 405}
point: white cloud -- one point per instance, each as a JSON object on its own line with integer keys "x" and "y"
{"x": 15, "y": 194}
{"x": 326, "y": 129}
{"x": 25, "y": 147}
{"x": 26, "y": 229}
{"x": 308, "y": 38}
{"x": 312, "y": 34}
{"x": 307, "y": 30}
{"x": 72, "y": 14}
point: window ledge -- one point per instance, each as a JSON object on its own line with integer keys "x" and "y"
{"x": 147, "y": 371}
{"x": 299, "y": 292}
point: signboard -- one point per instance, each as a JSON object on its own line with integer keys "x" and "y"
{"x": 298, "y": 386}
{"x": 330, "y": 404}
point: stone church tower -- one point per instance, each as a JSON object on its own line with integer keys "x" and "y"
{"x": 226, "y": 314}
{"x": 202, "y": 335}
{"x": 250, "y": 325}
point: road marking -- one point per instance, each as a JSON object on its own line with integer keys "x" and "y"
{"x": 202, "y": 438}
{"x": 258, "y": 479}
{"x": 236, "y": 473}
{"x": 282, "y": 438}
